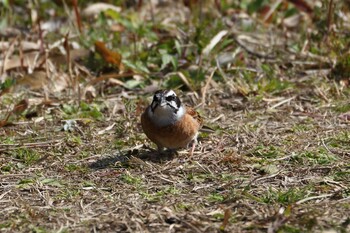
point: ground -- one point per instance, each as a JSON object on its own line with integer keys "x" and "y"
{"x": 73, "y": 157}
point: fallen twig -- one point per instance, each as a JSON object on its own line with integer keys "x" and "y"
{"x": 205, "y": 88}
{"x": 313, "y": 198}
{"x": 30, "y": 145}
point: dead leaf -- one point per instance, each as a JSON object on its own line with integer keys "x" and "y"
{"x": 75, "y": 55}
{"x": 38, "y": 80}
{"x": 109, "y": 56}
{"x": 106, "y": 129}
{"x": 215, "y": 212}
{"x": 117, "y": 28}
{"x": 213, "y": 42}
{"x": 29, "y": 60}
{"x": 33, "y": 81}
{"x": 34, "y": 60}
{"x": 24, "y": 45}
{"x": 97, "y": 8}
{"x": 292, "y": 21}
{"x": 89, "y": 93}
{"x": 59, "y": 81}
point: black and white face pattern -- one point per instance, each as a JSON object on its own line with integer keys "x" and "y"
{"x": 166, "y": 98}
{"x": 166, "y": 107}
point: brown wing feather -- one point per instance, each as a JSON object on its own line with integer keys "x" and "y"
{"x": 190, "y": 111}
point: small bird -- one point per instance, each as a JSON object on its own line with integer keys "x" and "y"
{"x": 169, "y": 123}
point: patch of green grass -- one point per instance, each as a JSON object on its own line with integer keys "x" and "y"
{"x": 37, "y": 229}
{"x": 198, "y": 177}
{"x": 342, "y": 175}
{"x": 268, "y": 152}
{"x": 285, "y": 197}
{"x": 342, "y": 141}
{"x": 7, "y": 140}
{"x": 299, "y": 128}
{"x": 75, "y": 167}
{"x": 51, "y": 182}
{"x": 159, "y": 194}
{"x": 269, "y": 168}
{"x": 88, "y": 184}
{"x": 69, "y": 194}
{"x": 74, "y": 140}
{"x": 25, "y": 183}
{"x": 91, "y": 111}
{"x": 8, "y": 167}
{"x": 7, "y": 84}
{"x": 270, "y": 83}
{"x": 85, "y": 110}
{"x": 172, "y": 190}
{"x": 132, "y": 180}
{"x": 218, "y": 216}
{"x": 320, "y": 157}
{"x": 215, "y": 197}
{"x": 119, "y": 144}
{"x": 26, "y": 155}
{"x": 150, "y": 197}
{"x": 5, "y": 225}
{"x": 182, "y": 206}
{"x": 273, "y": 85}
{"x": 227, "y": 177}
{"x": 69, "y": 109}
{"x": 342, "y": 108}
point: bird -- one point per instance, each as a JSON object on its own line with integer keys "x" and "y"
{"x": 169, "y": 123}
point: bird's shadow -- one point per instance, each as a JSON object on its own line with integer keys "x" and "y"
{"x": 122, "y": 158}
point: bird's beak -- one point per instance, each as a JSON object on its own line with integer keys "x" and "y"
{"x": 162, "y": 102}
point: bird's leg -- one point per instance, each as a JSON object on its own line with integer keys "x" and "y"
{"x": 194, "y": 143}
{"x": 192, "y": 149}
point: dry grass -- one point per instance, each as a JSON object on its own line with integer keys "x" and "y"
{"x": 279, "y": 160}
{"x": 264, "y": 170}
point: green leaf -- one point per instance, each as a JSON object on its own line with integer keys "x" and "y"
{"x": 254, "y": 6}
{"x": 166, "y": 59}
{"x": 131, "y": 84}
{"x": 51, "y": 182}
{"x": 7, "y": 83}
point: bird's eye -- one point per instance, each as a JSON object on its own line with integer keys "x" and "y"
{"x": 170, "y": 98}
{"x": 155, "y": 98}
